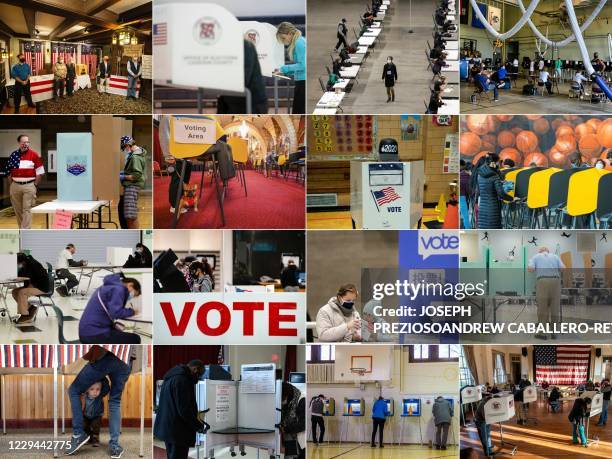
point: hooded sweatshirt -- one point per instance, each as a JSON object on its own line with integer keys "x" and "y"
{"x": 332, "y": 322}
{"x": 136, "y": 166}
{"x": 441, "y": 411}
{"x": 95, "y": 321}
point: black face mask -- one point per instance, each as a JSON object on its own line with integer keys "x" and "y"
{"x": 22, "y": 60}
{"x": 348, "y": 304}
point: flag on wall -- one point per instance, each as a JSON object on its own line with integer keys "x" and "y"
{"x": 33, "y": 56}
{"x": 61, "y": 50}
{"x": 221, "y": 356}
{"x": 89, "y": 57}
{"x": 27, "y": 355}
{"x": 564, "y": 365}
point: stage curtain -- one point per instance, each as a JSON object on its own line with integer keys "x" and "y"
{"x": 166, "y": 357}
{"x": 290, "y": 361}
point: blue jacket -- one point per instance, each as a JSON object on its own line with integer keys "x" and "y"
{"x": 21, "y": 71}
{"x": 379, "y": 410}
{"x": 298, "y": 68}
{"x": 96, "y": 409}
{"x": 95, "y": 321}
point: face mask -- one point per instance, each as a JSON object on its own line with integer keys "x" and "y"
{"x": 388, "y": 61}
{"x": 348, "y": 304}
{"x": 22, "y": 60}
{"x": 599, "y": 166}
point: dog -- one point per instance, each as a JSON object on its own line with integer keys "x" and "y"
{"x": 190, "y": 199}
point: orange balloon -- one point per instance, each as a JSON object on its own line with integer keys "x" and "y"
{"x": 594, "y": 123}
{"x": 541, "y": 126}
{"x": 604, "y": 133}
{"x": 556, "y": 157}
{"x": 506, "y": 139}
{"x": 511, "y": 153}
{"x": 536, "y": 158}
{"x": 589, "y": 146}
{"x": 566, "y": 144}
{"x": 504, "y": 118}
{"x": 564, "y": 129}
{"x": 478, "y": 124}
{"x": 478, "y": 156}
{"x": 469, "y": 143}
{"x": 526, "y": 141}
{"x": 584, "y": 129}
{"x": 533, "y": 117}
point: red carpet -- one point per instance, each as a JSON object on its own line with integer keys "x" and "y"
{"x": 272, "y": 203}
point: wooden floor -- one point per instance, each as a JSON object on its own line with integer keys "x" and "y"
{"x": 342, "y": 219}
{"x": 364, "y": 451}
{"x": 8, "y": 220}
{"x": 550, "y": 438}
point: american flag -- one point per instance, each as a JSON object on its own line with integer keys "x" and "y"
{"x": 564, "y": 365}
{"x": 89, "y": 57}
{"x": 160, "y": 33}
{"x": 386, "y": 195}
{"x": 221, "y": 356}
{"x": 62, "y": 50}
{"x": 33, "y": 56}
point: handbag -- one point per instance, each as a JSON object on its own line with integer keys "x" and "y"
{"x": 116, "y": 325}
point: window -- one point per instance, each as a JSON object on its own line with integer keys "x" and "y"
{"x": 465, "y": 374}
{"x": 321, "y": 353}
{"x": 499, "y": 368}
{"x": 434, "y": 353}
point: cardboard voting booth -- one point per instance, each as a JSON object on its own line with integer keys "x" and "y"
{"x": 198, "y": 44}
{"x": 471, "y": 394}
{"x": 270, "y": 51}
{"x": 387, "y": 195}
{"x": 596, "y": 405}
{"x": 390, "y": 406}
{"x": 74, "y": 166}
{"x": 241, "y": 413}
{"x": 353, "y": 407}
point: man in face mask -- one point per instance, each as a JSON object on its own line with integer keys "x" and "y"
{"x": 60, "y": 71}
{"x": 104, "y": 70}
{"x": 132, "y": 179}
{"x": 22, "y": 72}
{"x": 389, "y": 75}
{"x": 107, "y": 305}
{"x": 338, "y": 321}
{"x": 177, "y": 422}
{"x": 24, "y": 169}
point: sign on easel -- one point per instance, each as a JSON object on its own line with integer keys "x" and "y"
{"x": 199, "y": 44}
{"x": 270, "y": 51}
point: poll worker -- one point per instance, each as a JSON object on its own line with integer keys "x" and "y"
{"x": 443, "y": 416}
{"x": 547, "y": 268}
{"x": 389, "y": 74}
{"x": 293, "y": 421}
{"x": 341, "y": 34}
{"x": 60, "y": 72}
{"x": 579, "y": 416}
{"x": 484, "y": 429}
{"x": 107, "y": 305}
{"x": 291, "y": 37}
{"x": 37, "y": 284}
{"x": 24, "y": 170}
{"x": 606, "y": 390}
{"x": 22, "y": 72}
{"x": 65, "y": 260}
{"x": 132, "y": 178}
{"x": 379, "y": 416}
{"x": 102, "y": 364}
{"x": 203, "y": 278}
{"x": 70, "y": 76}
{"x": 104, "y": 70}
{"x": 338, "y": 321}
{"x": 134, "y": 70}
{"x": 177, "y": 421}
{"x": 289, "y": 277}
{"x": 317, "y": 404}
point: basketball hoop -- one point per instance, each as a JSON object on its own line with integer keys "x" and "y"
{"x": 359, "y": 371}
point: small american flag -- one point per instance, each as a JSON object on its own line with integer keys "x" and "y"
{"x": 160, "y": 33}
{"x": 221, "y": 356}
{"x": 564, "y": 365}
{"x": 385, "y": 196}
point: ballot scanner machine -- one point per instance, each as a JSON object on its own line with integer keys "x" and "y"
{"x": 241, "y": 413}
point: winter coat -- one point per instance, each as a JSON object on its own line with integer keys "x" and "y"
{"x": 136, "y": 166}
{"x": 389, "y": 74}
{"x": 579, "y": 411}
{"x": 491, "y": 191}
{"x": 332, "y": 323}
{"x": 441, "y": 411}
{"x": 177, "y": 412}
{"x": 36, "y": 273}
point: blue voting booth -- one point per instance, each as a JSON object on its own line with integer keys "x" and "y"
{"x": 74, "y": 166}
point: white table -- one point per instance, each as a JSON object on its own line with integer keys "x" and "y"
{"x": 349, "y": 72}
{"x": 452, "y": 45}
{"x": 451, "y": 107}
{"x": 386, "y": 2}
{"x": 376, "y": 25}
{"x": 357, "y": 58}
{"x": 452, "y": 55}
{"x": 82, "y": 208}
{"x": 362, "y": 50}
{"x": 372, "y": 32}
{"x": 383, "y": 7}
{"x": 451, "y": 66}
{"x": 82, "y": 82}
{"x": 366, "y": 41}
{"x": 325, "y": 111}
{"x": 451, "y": 92}
{"x": 342, "y": 84}
{"x": 331, "y": 99}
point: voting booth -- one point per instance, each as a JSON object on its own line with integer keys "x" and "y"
{"x": 411, "y": 412}
{"x": 117, "y": 256}
{"x": 470, "y": 395}
{"x": 498, "y": 410}
{"x": 74, "y": 166}
{"x": 241, "y": 413}
{"x": 353, "y": 409}
{"x": 390, "y": 406}
{"x": 270, "y": 51}
{"x": 329, "y": 407}
{"x": 387, "y": 195}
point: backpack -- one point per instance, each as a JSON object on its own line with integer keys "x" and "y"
{"x": 331, "y": 81}
{"x": 529, "y": 90}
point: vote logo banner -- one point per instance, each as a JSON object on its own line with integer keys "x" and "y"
{"x": 230, "y": 318}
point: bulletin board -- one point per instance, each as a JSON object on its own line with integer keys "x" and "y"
{"x": 340, "y": 137}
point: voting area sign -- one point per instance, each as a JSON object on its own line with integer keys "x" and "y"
{"x": 198, "y": 45}
{"x": 228, "y": 318}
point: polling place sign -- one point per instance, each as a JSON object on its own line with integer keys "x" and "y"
{"x": 230, "y": 318}
{"x": 194, "y": 130}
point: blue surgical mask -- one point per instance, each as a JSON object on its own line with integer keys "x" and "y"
{"x": 130, "y": 296}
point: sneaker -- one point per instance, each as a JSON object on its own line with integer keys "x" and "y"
{"x": 76, "y": 443}
{"x": 24, "y": 320}
{"x": 115, "y": 451}
{"x": 495, "y": 100}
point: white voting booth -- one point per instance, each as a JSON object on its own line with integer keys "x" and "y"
{"x": 470, "y": 395}
{"x": 241, "y": 413}
{"x": 270, "y": 51}
{"x": 498, "y": 410}
{"x": 387, "y": 195}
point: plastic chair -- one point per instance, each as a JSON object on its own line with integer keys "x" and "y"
{"x": 604, "y": 203}
{"x": 60, "y": 327}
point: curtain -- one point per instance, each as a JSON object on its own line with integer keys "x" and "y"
{"x": 470, "y": 359}
{"x": 167, "y": 357}
{"x": 290, "y": 361}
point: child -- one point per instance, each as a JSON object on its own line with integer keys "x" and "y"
{"x": 93, "y": 409}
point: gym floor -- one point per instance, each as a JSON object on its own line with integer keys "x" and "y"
{"x": 407, "y": 49}
{"x": 364, "y": 451}
{"x": 551, "y": 437}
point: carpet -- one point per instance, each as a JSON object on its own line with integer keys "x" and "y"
{"x": 90, "y": 101}
{"x": 272, "y": 203}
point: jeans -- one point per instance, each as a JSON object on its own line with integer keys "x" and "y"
{"x": 555, "y": 406}
{"x": 578, "y": 429}
{"x": 118, "y": 372}
{"x": 71, "y": 279}
{"x": 379, "y": 424}
{"x": 317, "y": 421}
{"x": 113, "y": 337}
{"x": 493, "y": 86}
{"x": 603, "y": 417}
{"x": 484, "y": 433}
{"x": 131, "y": 87}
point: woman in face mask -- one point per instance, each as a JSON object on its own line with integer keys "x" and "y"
{"x": 390, "y": 76}
{"x": 338, "y": 321}
{"x": 600, "y": 164}
{"x": 491, "y": 194}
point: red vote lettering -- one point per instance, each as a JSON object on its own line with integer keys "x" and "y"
{"x": 224, "y": 323}
{"x": 248, "y": 313}
{"x": 275, "y": 318}
{"x": 177, "y": 329}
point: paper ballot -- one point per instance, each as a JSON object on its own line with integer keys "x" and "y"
{"x": 223, "y": 403}
{"x": 257, "y": 379}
